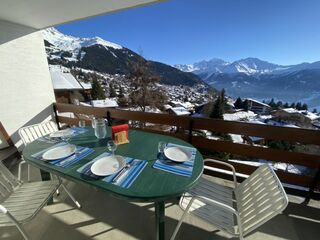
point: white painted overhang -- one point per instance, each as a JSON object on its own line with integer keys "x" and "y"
{"x": 40, "y": 14}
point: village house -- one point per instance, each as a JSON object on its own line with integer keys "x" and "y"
{"x": 258, "y": 107}
{"x": 300, "y": 118}
{"x": 67, "y": 89}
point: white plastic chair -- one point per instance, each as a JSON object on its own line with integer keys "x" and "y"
{"x": 237, "y": 210}
{"x": 20, "y": 202}
{"x": 32, "y": 132}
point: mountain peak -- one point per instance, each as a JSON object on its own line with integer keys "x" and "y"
{"x": 70, "y": 43}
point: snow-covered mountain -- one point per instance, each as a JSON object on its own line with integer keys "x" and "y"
{"x": 103, "y": 56}
{"x": 255, "y": 78}
{"x": 249, "y": 66}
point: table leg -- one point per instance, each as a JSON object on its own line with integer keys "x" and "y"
{"x": 159, "y": 217}
{"x": 45, "y": 176}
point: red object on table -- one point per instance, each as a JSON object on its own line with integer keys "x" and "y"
{"x": 120, "y": 128}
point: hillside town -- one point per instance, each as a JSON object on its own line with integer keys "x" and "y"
{"x": 181, "y": 100}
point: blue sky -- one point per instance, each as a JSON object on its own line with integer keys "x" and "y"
{"x": 186, "y": 31}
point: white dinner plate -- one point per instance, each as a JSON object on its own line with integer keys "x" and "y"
{"x": 60, "y": 152}
{"x": 177, "y": 154}
{"x": 62, "y": 133}
{"x": 108, "y": 165}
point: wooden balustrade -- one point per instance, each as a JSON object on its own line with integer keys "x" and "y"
{"x": 188, "y": 125}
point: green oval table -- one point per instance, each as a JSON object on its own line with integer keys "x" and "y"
{"x": 152, "y": 185}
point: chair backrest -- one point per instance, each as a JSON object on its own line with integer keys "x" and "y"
{"x": 259, "y": 198}
{"x": 8, "y": 182}
{"x": 30, "y": 133}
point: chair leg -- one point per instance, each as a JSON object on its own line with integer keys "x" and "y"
{"x": 181, "y": 219}
{"x": 71, "y": 196}
{"x": 18, "y": 225}
{"x": 28, "y": 172}
{"x": 57, "y": 191}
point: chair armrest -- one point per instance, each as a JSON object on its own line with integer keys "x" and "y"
{"x": 226, "y": 164}
{"x": 3, "y": 209}
{"x": 19, "y": 169}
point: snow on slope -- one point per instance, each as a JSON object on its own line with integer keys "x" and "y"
{"x": 68, "y": 43}
{"x": 74, "y": 44}
{"x": 248, "y": 66}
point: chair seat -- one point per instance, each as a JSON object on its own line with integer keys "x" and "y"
{"x": 221, "y": 218}
{"x": 27, "y": 200}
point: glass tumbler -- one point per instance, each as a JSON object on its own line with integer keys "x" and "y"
{"x": 82, "y": 123}
{"x": 161, "y": 146}
{"x": 100, "y": 129}
{"x": 93, "y": 122}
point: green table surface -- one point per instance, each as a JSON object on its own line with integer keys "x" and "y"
{"x": 152, "y": 185}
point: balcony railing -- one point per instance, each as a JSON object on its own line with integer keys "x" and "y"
{"x": 188, "y": 126}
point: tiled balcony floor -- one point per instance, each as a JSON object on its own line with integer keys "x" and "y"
{"x": 105, "y": 217}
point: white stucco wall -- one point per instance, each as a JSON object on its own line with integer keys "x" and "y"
{"x": 26, "y": 92}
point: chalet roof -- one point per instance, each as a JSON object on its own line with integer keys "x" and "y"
{"x": 64, "y": 81}
{"x": 104, "y": 103}
{"x": 258, "y": 102}
{"x": 180, "y": 111}
{"x": 238, "y": 115}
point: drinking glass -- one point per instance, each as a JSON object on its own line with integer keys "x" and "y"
{"x": 82, "y": 123}
{"x": 161, "y": 146}
{"x": 100, "y": 129}
{"x": 112, "y": 146}
{"x": 93, "y": 122}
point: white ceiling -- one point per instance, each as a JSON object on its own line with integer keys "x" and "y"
{"x": 41, "y": 14}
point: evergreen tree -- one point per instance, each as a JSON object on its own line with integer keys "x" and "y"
{"x": 304, "y": 107}
{"x": 286, "y": 105}
{"x": 314, "y": 110}
{"x": 272, "y": 103}
{"x": 112, "y": 91}
{"x": 293, "y": 105}
{"x": 217, "y": 110}
{"x": 238, "y": 103}
{"x": 121, "y": 92}
{"x": 97, "y": 92}
{"x": 298, "y": 106}
{"x": 122, "y": 99}
{"x": 245, "y": 105}
{"x": 219, "y": 106}
{"x": 279, "y": 105}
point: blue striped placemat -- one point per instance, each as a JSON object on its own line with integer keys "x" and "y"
{"x": 126, "y": 179}
{"x": 184, "y": 168}
{"x": 81, "y": 152}
{"x": 48, "y": 139}
{"x": 78, "y": 130}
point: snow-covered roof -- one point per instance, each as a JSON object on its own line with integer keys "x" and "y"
{"x": 138, "y": 109}
{"x": 64, "y": 81}
{"x": 258, "y": 102}
{"x": 280, "y": 123}
{"x": 307, "y": 114}
{"x": 180, "y": 111}
{"x": 256, "y": 121}
{"x": 86, "y": 85}
{"x": 290, "y": 110}
{"x": 37, "y": 14}
{"x": 104, "y": 103}
{"x": 236, "y": 138}
{"x": 84, "y": 104}
{"x": 238, "y": 115}
{"x": 167, "y": 106}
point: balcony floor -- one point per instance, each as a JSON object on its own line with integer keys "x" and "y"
{"x": 105, "y": 217}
